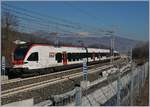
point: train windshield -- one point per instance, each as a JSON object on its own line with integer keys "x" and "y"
{"x": 20, "y": 52}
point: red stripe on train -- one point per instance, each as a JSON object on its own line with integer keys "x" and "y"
{"x": 17, "y": 62}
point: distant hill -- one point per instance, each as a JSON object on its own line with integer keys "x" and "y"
{"x": 121, "y": 44}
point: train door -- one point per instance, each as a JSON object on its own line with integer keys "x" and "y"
{"x": 64, "y": 55}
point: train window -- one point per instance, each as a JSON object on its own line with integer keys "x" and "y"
{"x": 80, "y": 56}
{"x": 77, "y": 56}
{"x": 107, "y": 55}
{"x": 99, "y": 55}
{"x": 103, "y": 54}
{"x": 88, "y": 55}
{"x": 69, "y": 56}
{"x": 73, "y": 56}
{"x": 91, "y": 55}
{"x": 84, "y": 55}
{"x": 33, "y": 57}
{"x": 116, "y": 54}
{"x": 59, "y": 57}
{"x": 96, "y": 55}
{"x": 20, "y": 52}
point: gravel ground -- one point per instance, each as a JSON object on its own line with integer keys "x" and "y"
{"x": 143, "y": 100}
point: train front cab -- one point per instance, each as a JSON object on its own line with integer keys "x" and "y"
{"x": 22, "y": 59}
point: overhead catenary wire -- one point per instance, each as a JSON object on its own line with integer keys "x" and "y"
{"x": 89, "y": 14}
{"x": 38, "y": 22}
{"x": 57, "y": 23}
{"x": 45, "y": 21}
{"x": 38, "y": 14}
{"x": 77, "y": 27}
{"x": 33, "y": 18}
{"x": 48, "y": 16}
{"x": 83, "y": 11}
{"x": 34, "y": 14}
{"x": 35, "y": 21}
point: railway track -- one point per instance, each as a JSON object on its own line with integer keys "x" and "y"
{"x": 26, "y": 81}
{"x": 18, "y": 73}
{"x": 22, "y": 91}
{"x": 48, "y": 82}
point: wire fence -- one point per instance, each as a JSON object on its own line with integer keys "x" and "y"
{"x": 122, "y": 88}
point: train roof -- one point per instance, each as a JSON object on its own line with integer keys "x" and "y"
{"x": 79, "y": 48}
{"x": 46, "y": 44}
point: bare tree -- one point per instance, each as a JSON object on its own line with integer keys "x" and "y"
{"x": 9, "y": 26}
{"x": 9, "y": 21}
{"x": 141, "y": 51}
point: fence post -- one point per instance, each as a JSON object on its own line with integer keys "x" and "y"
{"x": 85, "y": 70}
{"x": 145, "y": 69}
{"x": 139, "y": 81}
{"x": 78, "y": 99}
{"x": 143, "y": 74}
{"x": 3, "y": 65}
{"x": 3, "y": 69}
{"x": 131, "y": 90}
{"x": 118, "y": 87}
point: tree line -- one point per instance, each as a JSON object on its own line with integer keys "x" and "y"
{"x": 141, "y": 51}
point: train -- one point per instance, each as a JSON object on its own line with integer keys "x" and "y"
{"x": 41, "y": 58}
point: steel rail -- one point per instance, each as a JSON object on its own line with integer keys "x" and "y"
{"x": 48, "y": 82}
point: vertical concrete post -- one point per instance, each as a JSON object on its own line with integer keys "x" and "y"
{"x": 113, "y": 47}
{"x": 118, "y": 87}
{"x": 78, "y": 99}
{"x": 131, "y": 79}
{"x": 131, "y": 88}
{"x": 131, "y": 55}
{"x": 3, "y": 65}
{"x": 143, "y": 70}
{"x": 85, "y": 70}
{"x": 3, "y": 69}
{"x": 147, "y": 69}
{"x": 139, "y": 79}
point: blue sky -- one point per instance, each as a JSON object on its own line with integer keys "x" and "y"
{"x": 128, "y": 18}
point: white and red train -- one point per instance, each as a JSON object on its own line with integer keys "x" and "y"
{"x": 41, "y": 56}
